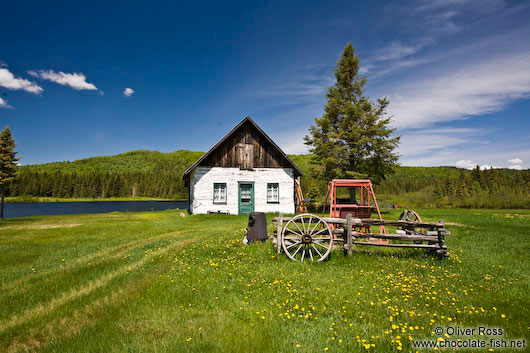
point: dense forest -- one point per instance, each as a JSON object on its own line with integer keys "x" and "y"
{"x": 454, "y": 187}
{"x": 136, "y": 173}
{"x": 156, "y": 174}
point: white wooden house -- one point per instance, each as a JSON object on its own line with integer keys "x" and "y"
{"x": 244, "y": 172}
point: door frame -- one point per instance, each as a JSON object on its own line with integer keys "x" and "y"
{"x": 239, "y": 195}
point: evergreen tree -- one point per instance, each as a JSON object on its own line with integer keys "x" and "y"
{"x": 8, "y": 163}
{"x": 352, "y": 138}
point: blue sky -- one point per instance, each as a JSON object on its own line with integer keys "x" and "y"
{"x": 457, "y": 73}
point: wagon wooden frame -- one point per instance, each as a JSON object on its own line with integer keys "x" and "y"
{"x": 310, "y": 232}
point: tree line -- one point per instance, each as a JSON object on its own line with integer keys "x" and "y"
{"x": 167, "y": 185}
{"x": 408, "y": 186}
{"x": 498, "y": 188}
{"x": 452, "y": 187}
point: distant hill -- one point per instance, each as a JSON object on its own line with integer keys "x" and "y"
{"x": 154, "y": 161}
{"x": 157, "y": 174}
{"x": 129, "y": 162}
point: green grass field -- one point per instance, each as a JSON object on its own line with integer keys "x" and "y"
{"x": 170, "y": 282}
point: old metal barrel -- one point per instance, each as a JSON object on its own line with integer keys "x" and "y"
{"x": 257, "y": 226}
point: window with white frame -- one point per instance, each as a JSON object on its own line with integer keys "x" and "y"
{"x": 273, "y": 193}
{"x": 219, "y": 193}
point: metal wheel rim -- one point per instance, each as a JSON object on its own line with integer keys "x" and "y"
{"x": 307, "y": 237}
{"x": 410, "y": 216}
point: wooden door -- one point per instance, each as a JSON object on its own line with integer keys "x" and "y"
{"x": 246, "y": 197}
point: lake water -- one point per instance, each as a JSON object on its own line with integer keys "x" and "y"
{"x": 27, "y": 209}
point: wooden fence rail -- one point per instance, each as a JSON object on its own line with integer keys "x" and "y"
{"x": 421, "y": 235}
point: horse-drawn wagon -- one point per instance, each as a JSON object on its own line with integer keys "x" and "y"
{"x": 309, "y": 237}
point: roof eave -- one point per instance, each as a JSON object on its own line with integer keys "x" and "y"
{"x": 247, "y": 118}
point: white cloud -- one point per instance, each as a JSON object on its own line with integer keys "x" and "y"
{"x": 398, "y": 50}
{"x": 399, "y": 65}
{"x": 473, "y": 89}
{"x": 469, "y": 164}
{"x": 425, "y": 147}
{"x": 515, "y": 161}
{"x": 76, "y": 81}
{"x": 394, "y": 56}
{"x": 300, "y": 89}
{"x": 516, "y": 167}
{"x": 3, "y": 64}
{"x": 9, "y": 81}
{"x": 3, "y": 104}
{"x": 365, "y": 68}
{"x": 128, "y": 92}
{"x": 487, "y": 166}
{"x": 294, "y": 145}
{"x": 469, "y": 146}
{"x": 466, "y": 163}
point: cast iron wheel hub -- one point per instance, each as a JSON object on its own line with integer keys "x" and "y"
{"x": 307, "y": 239}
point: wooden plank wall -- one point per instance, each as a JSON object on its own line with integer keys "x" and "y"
{"x": 246, "y": 148}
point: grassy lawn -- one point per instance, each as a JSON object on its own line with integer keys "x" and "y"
{"x": 170, "y": 282}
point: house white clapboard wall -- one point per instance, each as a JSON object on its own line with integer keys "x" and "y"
{"x": 244, "y": 172}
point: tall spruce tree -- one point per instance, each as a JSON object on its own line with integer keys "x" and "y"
{"x": 8, "y": 163}
{"x": 352, "y": 138}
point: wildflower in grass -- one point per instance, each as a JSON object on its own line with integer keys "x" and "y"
{"x": 297, "y": 346}
{"x": 188, "y": 339}
{"x": 503, "y": 316}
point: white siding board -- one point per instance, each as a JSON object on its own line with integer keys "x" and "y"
{"x": 203, "y": 178}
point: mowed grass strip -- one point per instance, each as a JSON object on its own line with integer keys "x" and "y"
{"x": 205, "y": 291}
{"x": 45, "y": 295}
{"x": 89, "y": 259}
{"x": 85, "y": 288}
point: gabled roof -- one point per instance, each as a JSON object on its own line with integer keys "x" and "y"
{"x": 246, "y": 119}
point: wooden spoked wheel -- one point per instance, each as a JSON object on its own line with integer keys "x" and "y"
{"x": 307, "y": 237}
{"x": 409, "y": 216}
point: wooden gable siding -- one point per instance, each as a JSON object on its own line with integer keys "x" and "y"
{"x": 246, "y": 148}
